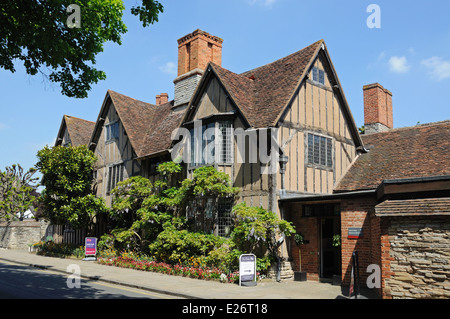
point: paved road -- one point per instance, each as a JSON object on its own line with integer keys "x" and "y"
{"x": 23, "y": 282}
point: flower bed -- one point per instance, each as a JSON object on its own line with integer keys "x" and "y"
{"x": 178, "y": 270}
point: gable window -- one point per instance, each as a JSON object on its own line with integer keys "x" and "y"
{"x": 320, "y": 150}
{"x": 112, "y": 131}
{"x": 115, "y": 175}
{"x": 211, "y": 143}
{"x": 318, "y": 76}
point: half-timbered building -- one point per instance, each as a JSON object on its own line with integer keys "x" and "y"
{"x": 285, "y": 135}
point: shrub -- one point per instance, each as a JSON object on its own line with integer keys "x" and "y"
{"x": 52, "y": 249}
{"x": 181, "y": 246}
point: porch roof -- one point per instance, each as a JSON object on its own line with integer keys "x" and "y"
{"x": 414, "y": 207}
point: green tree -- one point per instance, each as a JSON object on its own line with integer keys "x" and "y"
{"x": 67, "y": 178}
{"x": 16, "y": 191}
{"x": 257, "y": 230}
{"x": 202, "y": 194}
{"x": 140, "y": 209}
{"x": 37, "y": 33}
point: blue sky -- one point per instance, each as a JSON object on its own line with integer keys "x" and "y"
{"x": 409, "y": 55}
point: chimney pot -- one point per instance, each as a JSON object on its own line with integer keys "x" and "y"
{"x": 158, "y": 99}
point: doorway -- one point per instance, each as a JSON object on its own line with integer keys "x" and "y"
{"x": 330, "y": 253}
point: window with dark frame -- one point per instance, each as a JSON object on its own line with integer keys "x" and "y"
{"x": 115, "y": 175}
{"x": 112, "y": 131}
{"x": 320, "y": 150}
{"x": 318, "y": 76}
{"x": 203, "y": 151}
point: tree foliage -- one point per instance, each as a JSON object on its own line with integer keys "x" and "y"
{"x": 67, "y": 178}
{"x": 258, "y": 230}
{"x": 36, "y": 33}
{"x": 16, "y": 191}
{"x": 140, "y": 209}
{"x": 150, "y": 219}
{"x": 144, "y": 212}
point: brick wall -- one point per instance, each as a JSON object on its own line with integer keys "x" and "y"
{"x": 359, "y": 213}
{"x": 309, "y": 227}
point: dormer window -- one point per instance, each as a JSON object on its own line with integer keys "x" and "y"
{"x": 318, "y": 76}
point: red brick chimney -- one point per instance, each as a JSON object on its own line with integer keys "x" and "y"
{"x": 195, "y": 51}
{"x": 162, "y": 98}
{"x": 378, "y": 115}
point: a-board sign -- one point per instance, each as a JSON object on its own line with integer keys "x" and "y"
{"x": 90, "y": 246}
{"x": 247, "y": 270}
{"x": 355, "y": 233}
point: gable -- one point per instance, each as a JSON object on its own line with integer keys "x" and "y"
{"x": 213, "y": 100}
{"x": 74, "y": 131}
{"x": 317, "y": 106}
{"x": 322, "y": 90}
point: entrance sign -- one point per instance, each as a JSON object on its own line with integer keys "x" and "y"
{"x": 247, "y": 270}
{"x": 355, "y": 233}
{"x": 90, "y": 246}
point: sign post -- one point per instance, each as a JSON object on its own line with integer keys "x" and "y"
{"x": 247, "y": 270}
{"x": 90, "y": 248}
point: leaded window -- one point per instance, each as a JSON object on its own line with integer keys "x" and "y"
{"x": 318, "y": 76}
{"x": 211, "y": 143}
{"x": 115, "y": 175}
{"x": 320, "y": 150}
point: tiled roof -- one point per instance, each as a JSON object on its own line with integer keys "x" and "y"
{"x": 414, "y": 207}
{"x": 159, "y": 135}
{"x": 80, "y": 130}
{"x": 148, "y": 126}
{"x": 263, "y": 93}
{"x": 418, "y": 151}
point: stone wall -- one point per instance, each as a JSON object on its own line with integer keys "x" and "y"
{"x": 419, "y": 258}
{"x": 185, "y": 87}
{"x": 19, "y": 234}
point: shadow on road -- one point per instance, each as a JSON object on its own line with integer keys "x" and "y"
{"x": 24, "y": 282}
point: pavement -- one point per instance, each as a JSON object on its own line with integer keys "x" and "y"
{"x": 178, "y": 286}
